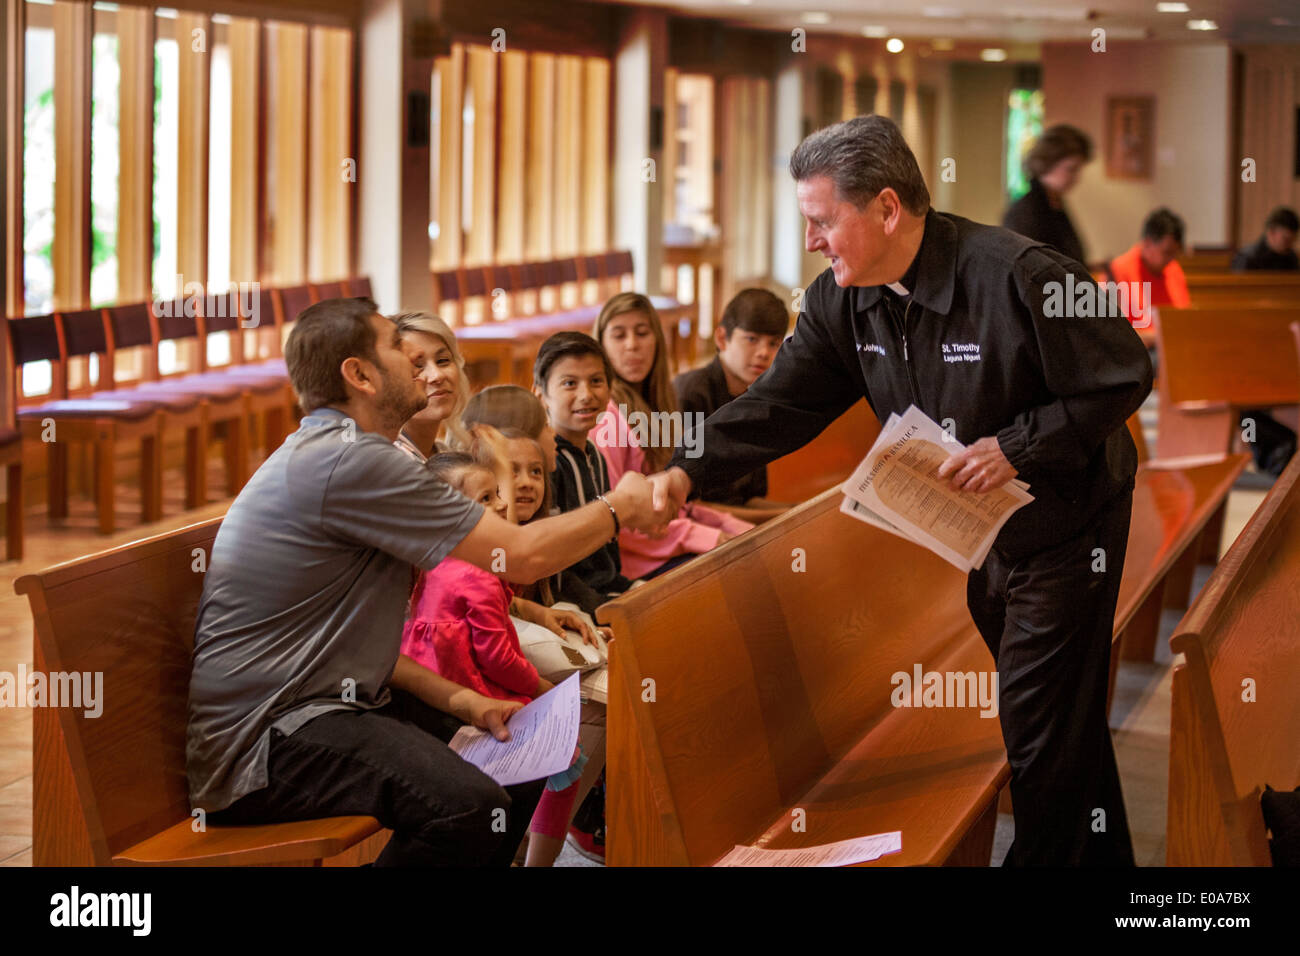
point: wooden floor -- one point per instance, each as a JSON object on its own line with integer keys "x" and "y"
{"x": 1140, "y": 718}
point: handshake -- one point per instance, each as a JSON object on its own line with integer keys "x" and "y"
{"x": 648, "y": 504}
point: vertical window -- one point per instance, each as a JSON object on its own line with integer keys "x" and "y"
{"x": 1024, "y": 126}
{"x": 219, "y": 201}
{"x": 166, "y": 134}
{"x": 38, "y": 171}
{"x": 104, "y": 154}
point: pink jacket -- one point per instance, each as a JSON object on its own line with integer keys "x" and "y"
{"x": 459, "y": 626}
{"x": 694, "y": 531}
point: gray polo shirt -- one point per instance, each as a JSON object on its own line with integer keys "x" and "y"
{"x": 306, "y": 593}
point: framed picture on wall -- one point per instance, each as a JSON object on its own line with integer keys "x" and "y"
{"x": 1130, "y": 137}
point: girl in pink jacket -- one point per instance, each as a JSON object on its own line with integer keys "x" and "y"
{"x": 631, "y": 437}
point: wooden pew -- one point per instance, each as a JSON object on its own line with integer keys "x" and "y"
{"x": 776, "y": 696}
{"x": 111, "y": 790}
{"x": 1225, "y": 744}
{"x": 1215, "y": 362}
{"x": 826, "y": 460}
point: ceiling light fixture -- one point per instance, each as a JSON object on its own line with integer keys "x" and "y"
{"x": 894, "y": 45}
{"x": 993, "y": 55}
{"x": 876, "y": 32}
{"x": 1202, "y": 25}
{"x": 816, "y": 16}
{"x": 1172, "y": 8}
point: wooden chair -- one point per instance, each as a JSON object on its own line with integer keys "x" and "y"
{"x": 447, "y": 296}
{"x": 99, "y": 423}
{"x": 595, "y": 281}
{"x": 500, "y": 303}
{"x": 475, "y": 296}
{"x": 290, "y": 303}
{"x": 327, "y": 290}
{"x": 11, "y": 459}
{"x": 88, "y": 333}
{"x": 225, "y": 398}
{"x": 111, "y": 790}
{"x": 1235, "y": 711}
{"x": 359, "y": 287}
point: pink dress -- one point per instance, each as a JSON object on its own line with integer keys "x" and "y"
{"x": 694, "y": 531}
{"x": 459, "y": 626}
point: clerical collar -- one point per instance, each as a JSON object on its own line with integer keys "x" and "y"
{"x": 904, "y": 286}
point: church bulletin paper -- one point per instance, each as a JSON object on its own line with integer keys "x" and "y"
{"x": 543, "y": 735}
{"x": 898, "y": 486}
{"x": 843, "y": 853}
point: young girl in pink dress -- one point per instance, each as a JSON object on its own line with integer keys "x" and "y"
{"x": 459, "y": 626}
{"x": 629, "y": 330}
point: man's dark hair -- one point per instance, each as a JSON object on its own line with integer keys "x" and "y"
{"x": 861, "y": 157}
{"x": 324, "y": 336}
{"x": 1057, "y": 143}
{"x": 566, "y": 345}
{"x": 1163, "y": 222}
{"x": 446, "y": 464}
{"x": 1282, "y": 218}
{"x": 755, "y": 310}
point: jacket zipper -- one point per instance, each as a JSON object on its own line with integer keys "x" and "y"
{"x": 902, "y": 330}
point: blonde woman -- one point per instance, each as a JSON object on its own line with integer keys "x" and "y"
{"x": 629, "y": 330}
{"x": 445, "y": 384}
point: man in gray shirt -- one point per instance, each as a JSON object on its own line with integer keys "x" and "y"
{"x": 300, "y": 703}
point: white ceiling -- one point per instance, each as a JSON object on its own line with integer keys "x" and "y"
{"x": 1010, "y": 21}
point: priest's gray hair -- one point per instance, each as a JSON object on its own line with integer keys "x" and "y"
{"x": 861, "y": 157}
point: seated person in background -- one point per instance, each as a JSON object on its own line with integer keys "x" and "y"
{"x": 445, "y": 384}
{"x": 1274, "y": 251}
{"x": 629, "y": 330}
{"x": 1152, "y": 259}
{"x": 301, "y": 705}
{"x": 459, "y": 627}
{"x": 1053, "y": 164}
{"x": 753, "y": 325}
{"x": 571, "y": 378}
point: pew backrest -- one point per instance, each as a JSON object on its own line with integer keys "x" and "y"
{"x": 770, "y": 659}
{"x": 1235, "y": 700}
{"x": 127, "y": 615}
{"x": 1242, "y": 357}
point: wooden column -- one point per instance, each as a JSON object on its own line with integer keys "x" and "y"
{"x": 451, "y": 75}
{"x": 513, "y": 126}
{"x": 541, "y": 155}
{"x": 595, "y": 155}
{"x": 194, "y": 66}
{"x": 135, "y": 47}
{"x": 286, "y": 197}
{"x": 566, "y": 218}
{"x": 329, "y": 220}
{"x": 72, "y": 93}
{"x": 247, "y": 61}
{"x": 480, "y": 242}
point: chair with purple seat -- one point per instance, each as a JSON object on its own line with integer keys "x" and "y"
{"x": 359, "y": 287}
{"x": 224, "y": 398}
{"x": 328, "y": 290}
{"x": 267, "y": 385}
{"x": 59, "y": 422}
{"x": 290, "y": 303}
{"x": 86, "y": 333}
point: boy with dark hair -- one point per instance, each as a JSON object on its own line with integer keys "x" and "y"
{"x": 1273, "y": 251}
{"x": 1152, "y": 260}
{"x": 571, "y": 377}
{"x": 752, "y": 327}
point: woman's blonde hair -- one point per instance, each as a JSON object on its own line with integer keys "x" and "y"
{"x": 430, "y": 324}
{"x": 655, "y": 393}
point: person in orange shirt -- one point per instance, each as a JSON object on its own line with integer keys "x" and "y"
{"x": 1153, "y": 260}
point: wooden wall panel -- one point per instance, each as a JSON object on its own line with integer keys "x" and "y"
{"x": 71, "y": 255}
{"x": 566, "y": 216}
{"x": 480, "y": 242}
{"x": 286, "y": 175}
{"x": 135, "y": 50}
{"x": 247, "y": 59}
{"x": 595, "y": 155}
{"x": 330, "y": 189}
{"x": 451, "y": 84}
{"x": 541, "y": 155}
{"x": 513, "y": 126}
{"x": 1269, "y": 99}
{"x": 194, "y": 71}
